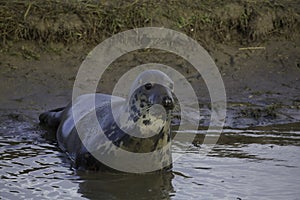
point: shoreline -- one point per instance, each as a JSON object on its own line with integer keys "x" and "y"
{"x": 259, "y": 63}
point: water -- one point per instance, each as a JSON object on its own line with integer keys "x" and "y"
{"x": 245, "y": 164}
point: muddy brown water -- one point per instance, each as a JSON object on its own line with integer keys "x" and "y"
{"x": 256, "y": 163}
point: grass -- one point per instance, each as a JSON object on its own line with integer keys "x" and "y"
{"x": 269, "y": 111}
{"x": 70, "y": 21}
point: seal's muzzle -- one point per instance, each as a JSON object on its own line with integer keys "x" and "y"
{"x": 168, "y": 103}
{"x": 158, "y": 94}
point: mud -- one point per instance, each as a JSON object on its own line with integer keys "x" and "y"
{"x": 262, "y": 85}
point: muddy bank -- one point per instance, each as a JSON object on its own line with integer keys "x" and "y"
{"x": 92, "y": 21}
{"x": 43, "y": 45}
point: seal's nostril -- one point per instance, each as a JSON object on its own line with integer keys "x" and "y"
{"x": 168, "y": 102}
{"x": 148, "y": 86}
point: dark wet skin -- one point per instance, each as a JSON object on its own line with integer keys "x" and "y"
{"x": 138, "y": 108}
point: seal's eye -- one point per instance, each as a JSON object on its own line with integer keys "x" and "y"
{"x": 148, "y": 86}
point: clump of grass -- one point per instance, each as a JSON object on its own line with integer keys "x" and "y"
{"x": 29, "y": 54}
{"x": 269, "y": 111}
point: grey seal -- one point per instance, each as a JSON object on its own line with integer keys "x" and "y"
{"x": 139, "y": 123}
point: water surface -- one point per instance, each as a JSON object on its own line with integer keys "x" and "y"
{"x": 260, "y": 163}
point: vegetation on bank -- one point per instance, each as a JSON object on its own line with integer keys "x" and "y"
{"x": 70, "y": 21}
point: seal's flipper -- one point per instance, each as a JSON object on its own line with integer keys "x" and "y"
{"x": 51, "y": 118}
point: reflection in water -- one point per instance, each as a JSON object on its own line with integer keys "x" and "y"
{"x": 247, "y": 164}
{"x": 126, "y": 186}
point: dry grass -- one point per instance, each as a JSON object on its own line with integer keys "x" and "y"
{"x": 70, "y": 21}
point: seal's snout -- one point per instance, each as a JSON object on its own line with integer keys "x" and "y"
{"x": 168, "y": 102}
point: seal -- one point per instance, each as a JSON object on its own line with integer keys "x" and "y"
{"x": 139, "y": 123}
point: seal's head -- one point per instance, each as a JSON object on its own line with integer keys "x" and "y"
{"x": 150, "y": 102}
